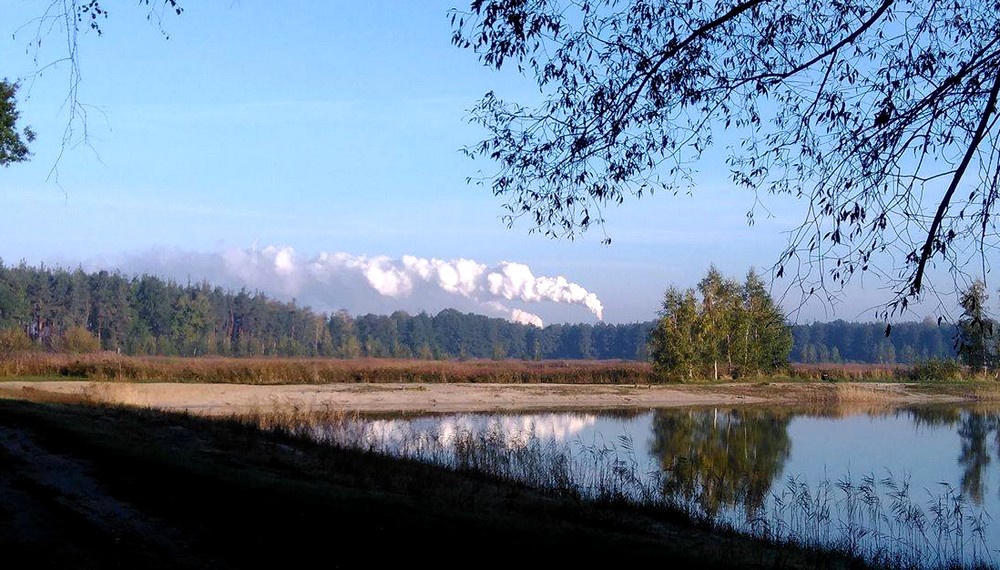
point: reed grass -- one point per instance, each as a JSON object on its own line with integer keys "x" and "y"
{"x": 875, "y": 521}
{"x": 847, "y": 372}
{"x": 879, "y": 519}
{"x": 107, "y": 366}
{"x": 120, "y": 368}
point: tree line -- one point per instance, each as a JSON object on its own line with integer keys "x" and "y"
{"x": 63, "y": 310}
{"x": 841, "y": 341}
{"x": 52, "y": 308}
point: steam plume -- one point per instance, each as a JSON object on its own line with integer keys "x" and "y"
{"x": 329, "y": 281}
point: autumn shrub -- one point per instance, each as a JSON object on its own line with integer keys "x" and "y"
{"x": 13, "y": 341}
{"x": 934, "y": 370}
{"x": 78, "y": 340}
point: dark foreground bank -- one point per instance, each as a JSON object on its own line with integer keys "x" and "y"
{"x": 97, "y": 487}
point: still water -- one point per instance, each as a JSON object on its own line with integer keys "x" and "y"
{"x": 912, "y": 486}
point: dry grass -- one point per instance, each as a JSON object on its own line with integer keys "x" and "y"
{"x": 113, "y": 367}
{"x": 117, "y": 393}
{"x": 849, "y": 372}
{"x": 293, "y": 418}
{"x": 118, "y": 368}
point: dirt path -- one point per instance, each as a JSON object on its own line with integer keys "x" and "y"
{"x": 227, "y": 398}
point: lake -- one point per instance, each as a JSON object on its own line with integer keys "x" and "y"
{"x": 908, "y": 486}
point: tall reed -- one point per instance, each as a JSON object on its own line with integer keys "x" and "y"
{"x": 872, "y": 519}
{"x": 119, "y": 368}
{"x": 108, "y": 366}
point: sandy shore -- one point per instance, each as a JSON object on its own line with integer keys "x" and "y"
{"x": 228, "y": 398}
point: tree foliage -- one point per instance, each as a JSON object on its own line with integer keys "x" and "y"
{"x": 977, "y": 340}
{"x": 673, "y": 342}
{"x": 840, "y": 341}
{"x": 723, "y": 324}
{"x": 13, "y": 142}
{"x": 881, "y": 114}
{"x": 90, "y": 13}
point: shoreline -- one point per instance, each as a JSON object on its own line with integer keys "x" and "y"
{"x": 222, "y": 399}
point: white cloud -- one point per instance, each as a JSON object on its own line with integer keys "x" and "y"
{"x": 329, "y": 281}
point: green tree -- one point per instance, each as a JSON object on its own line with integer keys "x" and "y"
{"x": 720, "y": 315}
{"x": 420, "y": 336}
{"x": 40, "y": 304}
{"x": 14, "y": 308}
{"x": 13, "y": 142}
{"x": 720, "y": 322}
{"x": 764, "y": 338}
{"x": 191, "y": 323}
{"x": 976, "y": 340}
{"x": 673, "y": 341}
{"x": 881, "y": 114}
{"x": 153, "y": 304}
{"x": 110, "y": 310}
{"x": 343, "y": 336}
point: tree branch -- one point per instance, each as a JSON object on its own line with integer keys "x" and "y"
{"x": 829, "y": 51}
{"x": 927, "y": 250}
{"x": 671, "y": 51}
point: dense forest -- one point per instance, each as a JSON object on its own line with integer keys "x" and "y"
{"x": 841, "y": 341}
{"x": 50, "y": 309}
{"x": 146, "y": 315}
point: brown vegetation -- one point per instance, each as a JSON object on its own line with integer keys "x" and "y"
{"x": 107, "y": 366}
{"x": 113, "y": 367}
{"x": 848, "y": 372}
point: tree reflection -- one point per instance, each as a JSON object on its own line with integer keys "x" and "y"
{"x": 974, "y": 430}
{"x": 975, "y": 455}
{"x": 931, "y": 416}
{"x": 721, "y": 458}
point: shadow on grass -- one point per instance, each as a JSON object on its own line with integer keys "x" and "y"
{"x": 87, "y": 486}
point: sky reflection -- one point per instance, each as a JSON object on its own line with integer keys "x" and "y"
{"x": 743, "y": 464}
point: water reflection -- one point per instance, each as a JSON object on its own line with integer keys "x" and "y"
{"x": 721, "y": 458}
{"x": 508, "y": 430}
{"x": 914, "y": 479}
{"x": 975, "y": 457}
{"x": 977, "y": 431}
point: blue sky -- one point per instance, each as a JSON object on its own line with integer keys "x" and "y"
{"x": 313, "y": 153}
